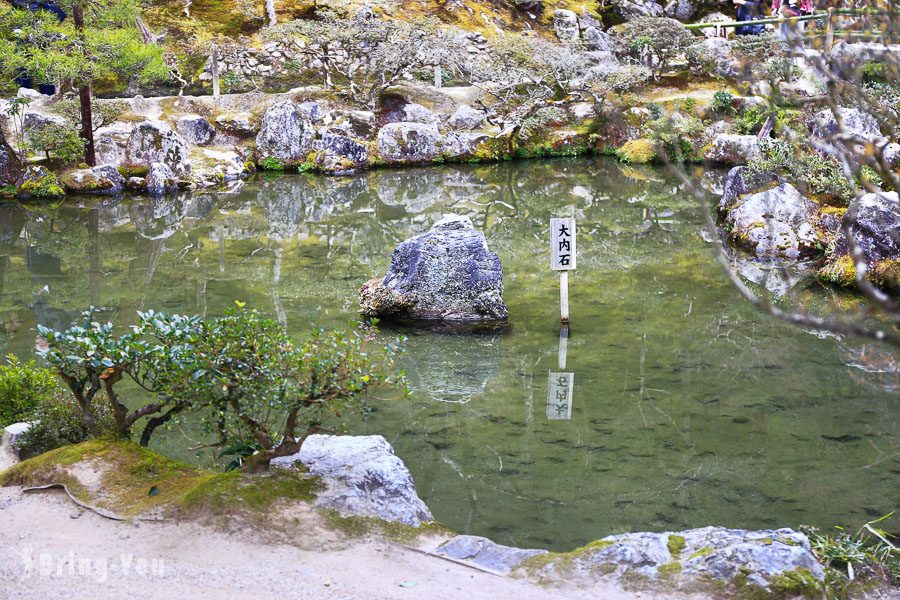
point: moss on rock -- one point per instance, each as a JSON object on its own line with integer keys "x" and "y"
{"x": 638, "y": 151}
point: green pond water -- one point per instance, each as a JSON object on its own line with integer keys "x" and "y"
{"x": 689, "y": 408}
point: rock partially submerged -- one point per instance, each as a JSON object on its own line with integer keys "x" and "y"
{"x": 104, "y": 180}
{"x": 154, "y": 141}
{"x": 875, "y": 232}
{"x": 732, "y": 149}
{"x": 363, "y": 477}
{"x": 38, "y": 183}
{"x": 286, "y": 135}
{"x": 775, "y": 222}
{"x": 445, "y": 274}
{"x": 772, "y": 561}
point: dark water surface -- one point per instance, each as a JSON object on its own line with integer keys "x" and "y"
{"x": 690, "y": 408}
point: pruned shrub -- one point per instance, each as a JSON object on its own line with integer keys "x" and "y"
{"x": 23, "y": 385}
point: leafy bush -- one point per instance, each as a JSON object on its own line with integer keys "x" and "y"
{"x": 776, "y": 64}
{"x": 250, "y": 381}
{"x": 723, "y": 102}
{"x": 102, "y": 113}
{"x": 656, "y": 41}
{"x": 750, "y": 121}
{"x": 22, "y": 387}
{"x": 873, "y": 72}
{"x": 815, "y": 174}
{"x": 62, "y": 141}
{"x": 637, "y": 151}
{"x": 679, "y": 135}
{"x": 56, "y": 422}
{"x": 270, "y": 163}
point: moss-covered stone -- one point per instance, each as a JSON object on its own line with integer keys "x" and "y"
{"x": 676, "y": 544}
{"x": 37, "y": 183}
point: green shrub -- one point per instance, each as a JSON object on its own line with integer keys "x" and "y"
{"x": 637, "y": 151}
{"x": 873, "y": 72}
{"x": 723, "y": 102}
{"x": 679, "y": 135}
{"x": 58, "y": 140}
{"x": 814, "y": 174}
{"x": 22, "y": 387}
{"x": 655, "y": 109}
{"x": 750, "y": 121}
{"x": 56, "y": 422}
{"x": 270, "y": 163}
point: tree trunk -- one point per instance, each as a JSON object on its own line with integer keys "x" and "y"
{"x": 270, "y": 12}
{"x": 84, "y": 97}
{"x": 214, "y": 70}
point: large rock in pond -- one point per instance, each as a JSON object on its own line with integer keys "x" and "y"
{"x": 775, "y": 222}
{"x": 37, "y": 183}
{"x": 876, "y": 231}
{"x": 336, "y": 153}
{"x": 445, "y": 274}
{"x": 160, "y": 180}
{"x": 286, "y": 135}
{"x": 756, "y": 562}
{"x": 409, "y": 142}
{"x": 363, "y": 477}
{"x": 104, "y": 180}
{"x": 732, "y": 149}
{"x": 154, "y": 141}
{"x": 741, "y": 181}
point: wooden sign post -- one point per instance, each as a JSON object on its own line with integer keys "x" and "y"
{"x": 562, "y": 259}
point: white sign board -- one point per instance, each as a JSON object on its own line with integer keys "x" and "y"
{"x": 562, "y": 244}
{"x": 559, "y": 396}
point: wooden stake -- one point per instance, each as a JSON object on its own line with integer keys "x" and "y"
{"x": 829, "y": 35}
{"x": 564, "y": 296}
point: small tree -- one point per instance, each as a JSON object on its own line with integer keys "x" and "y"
{"x": 367, "y": 56}
{"x": 100, "y": 42}
{"x": 655, "y": 42}
{"x": 90, "y": 358}
{"x": 58, "y": 139}
{"x": 261, "y": 389}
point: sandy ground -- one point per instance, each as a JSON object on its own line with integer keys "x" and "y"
{"x": 49, "y": 548}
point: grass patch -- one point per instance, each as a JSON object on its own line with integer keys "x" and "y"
{"x": 355, "y": 526}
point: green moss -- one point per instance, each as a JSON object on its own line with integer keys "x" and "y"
{"x": 676, "y": 545}
{"x": 670, "y": 570}
{"x": 638, "y": 151}
{"x": 841, "y": 272}
{"x": 7, "y": 191}
{"x": 42, "y": 188}
{"x": 355, "y": 526}
{"x": 133, "y": 170}
{"x": 235, "y": 492}
{"x": 563, "y": 561}
{"x": 799, "y": 582}
{"x": 704, "y": 551}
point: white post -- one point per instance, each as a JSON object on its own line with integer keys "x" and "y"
{"x": 564, "y": 296}
{"x": 438, "y": 78}
{"x": 563, "y": 345}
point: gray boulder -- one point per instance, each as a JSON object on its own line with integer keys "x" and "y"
{"x": 460, "y": 145}
{"x": 238, "y": 124}
{"x": 104, "y": 180}
{"x": 686, "y": 559}
{"x": 739, "y": 182}
{"x": 160, "y": 180}
{"x": 362, "y": 123}
{"x": 286, "y": 134}
{"x": 337, "y": 153}
{"x": 154, "y": 141}
{"x": 732, "y": 149}
{"x": 776, "y": 222}
{"x": 890, "y": 152}
{"x": 565, "y": 25}
{"x": 682, "y": 10}
{"x": 485, "y": 553}
{"x": 312, "y": 109}
{"x": 854, "y": 122}
{"x": 722, "y": 56}
{"x": 446, "y": 274}
{"x": 875, "y": 230}
{"x": 408, "y": 142}
{"x": 416, "y": 113}
{"x": 11, "y": 436}
{"x": 629, "y": 10}
{"x": 466, "y": 117}
{"x": 195, "y": 129}
{"x": 363, "y": 477}
{"x": 597, "y": 40}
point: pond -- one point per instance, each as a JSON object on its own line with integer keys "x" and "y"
{"x": 689, "y": 407}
